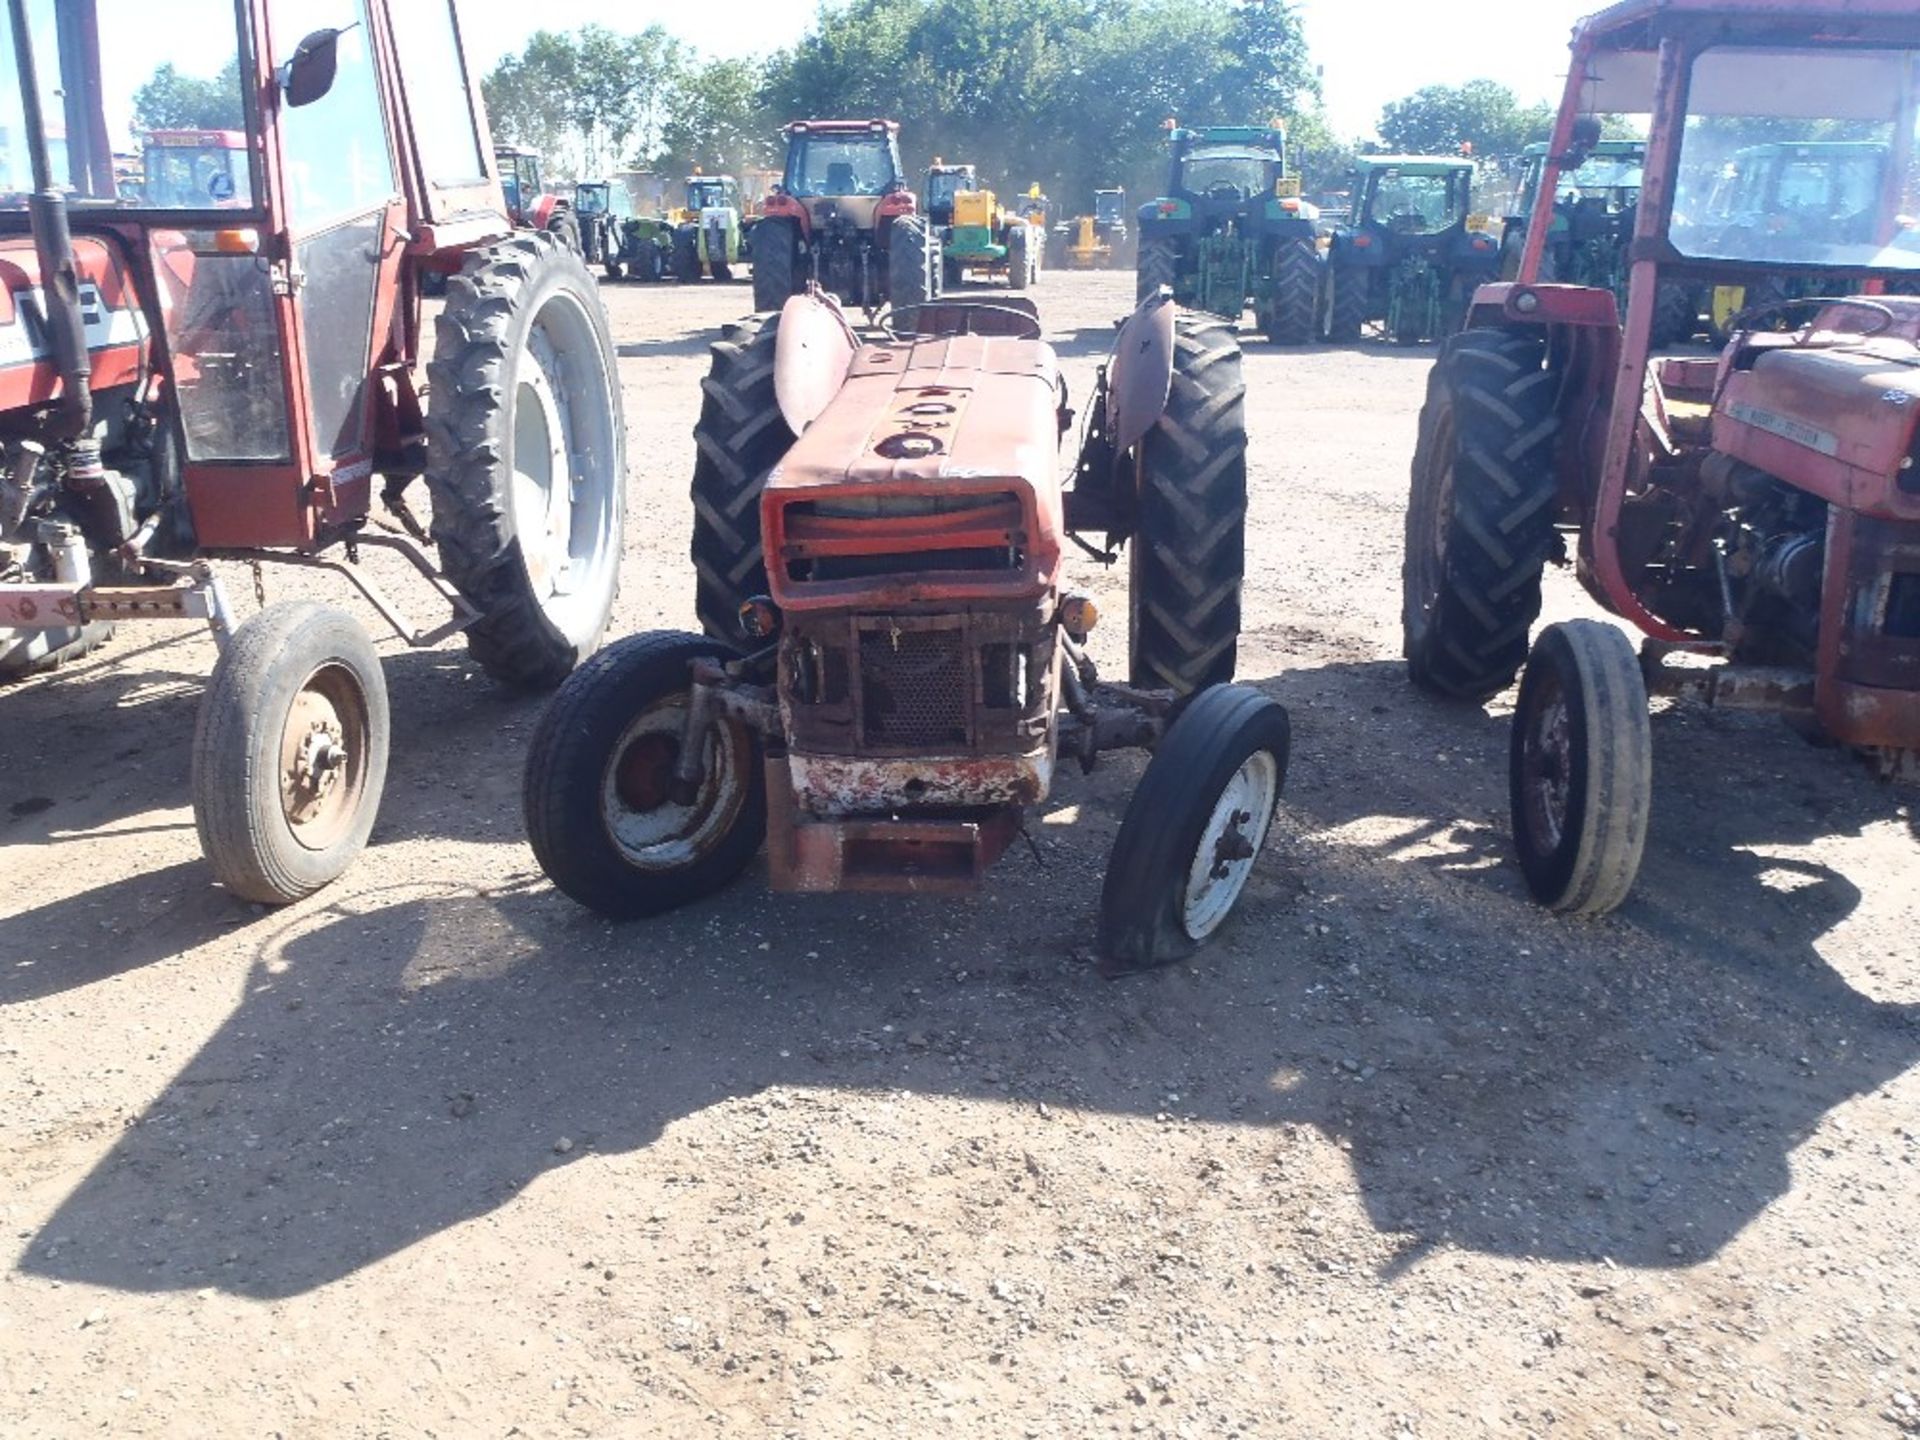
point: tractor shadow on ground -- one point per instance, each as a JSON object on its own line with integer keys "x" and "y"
{"x": 407, "y": 1060}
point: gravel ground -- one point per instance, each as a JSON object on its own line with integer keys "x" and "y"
{"x": 437, "y": 1153}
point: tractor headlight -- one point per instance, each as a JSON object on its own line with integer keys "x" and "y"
{"x": 1524, "y": 302}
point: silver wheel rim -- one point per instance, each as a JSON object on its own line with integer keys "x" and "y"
{"x": 564, "y": 490}
{"x": 649, "y": 829}
{"x": 1546, "y": 768}
{"x": 1229, "y": 844}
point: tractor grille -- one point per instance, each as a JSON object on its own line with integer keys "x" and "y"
{"x": 913, "y": 687}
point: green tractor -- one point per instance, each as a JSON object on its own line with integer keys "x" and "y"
{"x": 977, "y": 234}
{"x": 1406, "y": 259}
{"x": 1231, "y": 230}
{"x": 706, "y": 239}
{"x": 603, "y": 208}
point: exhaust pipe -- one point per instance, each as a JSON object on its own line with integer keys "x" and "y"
{"x": 53, "y": 246}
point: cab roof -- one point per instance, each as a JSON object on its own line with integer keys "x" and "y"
{"x": 1418, "y": 164}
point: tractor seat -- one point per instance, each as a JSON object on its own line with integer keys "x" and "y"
{"x": 840, "y": 178}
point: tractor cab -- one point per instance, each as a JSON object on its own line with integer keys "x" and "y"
{"x": 521, "y": 182}
{"x": 224, "y": 359}
{"x": 1814, "y": 192}
{"x": 943, "y": 183}
{"x": 1110, "y": 210}
{"x": 710, "y": 192}
{"x": 1593, "y": 213}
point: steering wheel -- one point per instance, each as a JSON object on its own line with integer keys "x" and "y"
{"x": 1745, "y": 320}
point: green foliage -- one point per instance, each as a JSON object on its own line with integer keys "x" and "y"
{"x": 588, "y": 98}
{"x": 1439, "y": 119}
{"x": 172, "y": 101}
{"x": 719, "y": 122}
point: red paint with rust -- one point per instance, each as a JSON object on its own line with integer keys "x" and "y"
{"x": 117, "y": 335}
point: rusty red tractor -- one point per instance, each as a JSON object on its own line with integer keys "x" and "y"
{"x": 892, "y": 669}
{"x": 231, "y": 372}
{"x": 1755, "y": 514}
{"x": 843, "y": 217}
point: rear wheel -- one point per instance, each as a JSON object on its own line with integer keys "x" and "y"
{"x": 1019, "y": 261}
{"x": 1581, "y": 772}
{"x": 290, "y": 752}
{"x": 1156, "y": 265}
{"x": 565, "y": 228}
{"x": 776, "y": 244}
{"x": 913, "y": 263}
{"x": 1675, "y": 314}
{"x": 527, "y": 457}
{"x": 1296, "y": 288}
{"x": 686, "y": 254}
{"x": 1481, "y": 513}
{"x": 741, "y": 435}
{"x": 598, "y": 793}
{"x": 1189, "y": 548}
{"x": 1193, "y": 829}
{"x": 1347, "y": 311}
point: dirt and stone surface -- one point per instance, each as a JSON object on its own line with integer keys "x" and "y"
{"x": 438, "y": 1154}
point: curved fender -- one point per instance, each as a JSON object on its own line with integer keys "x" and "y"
{"x": 811, "y": 355}
{"x": 1141, "y": 376}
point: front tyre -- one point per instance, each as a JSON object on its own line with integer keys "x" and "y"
{"x": 598, "y": 791}
{"x": 527, "y": 458}
{"x": 1580, "y": 777}
{"x": 1193, "y": 829}
{"x": 1019, "y": 257}
{"x": 290, "y": 752}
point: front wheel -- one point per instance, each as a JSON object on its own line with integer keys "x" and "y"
{"x": 1580, "y": 777}
{"x": 913, "y": 263}
{"x": 290, "y": 752}
{"x": 1194, "y": 828}
{"x": 598, "y": 795}
{"x": 1019, "y": 260}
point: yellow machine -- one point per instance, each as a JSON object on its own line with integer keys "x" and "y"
{"x": 1088, "y": 251}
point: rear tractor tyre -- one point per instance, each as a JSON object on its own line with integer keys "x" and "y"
{"x": 686, "y": 254}
{"x": 739, "y": 438}
{"x": 26, "y": 653}
{"x": 527, "y": 458}
{"x": 1188, "y": 553}
{"x": 598, "y": 789}
{"x": 1157, "y": 265}
{"x": 1481, "y": 514}
{"x": 290, "y": 752}
{"x": 723, "y": 272}
{"x": 1193, "y": 829}
{"x": 776, "y": 245}
{"x": 1019, "y": 260}
{"x": 564, "y": 226}
{"x": 913, "y": 263}
{"x": 1347, "y": 310}
{"x": 1676, "y": 314}
{"x": 1296, "y": 289}
{"x": 1581, "y": 772}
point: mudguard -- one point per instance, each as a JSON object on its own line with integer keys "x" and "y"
{"x": 811, "y": 355}
{"x": 1141, "y": 376}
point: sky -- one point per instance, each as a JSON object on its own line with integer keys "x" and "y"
{"x": 1372, "y": 51}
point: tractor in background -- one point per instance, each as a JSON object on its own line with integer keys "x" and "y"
{"x": 707, "y": 237}
{"x": 843, "y": 217}
{"x": 1405, "y": 261}
{"x": 196, "y": 169}
{"x": 977, "y": 235}
{"x": 233, "y": 374}
{"x": 893, "y": 669}
{"x": 1232, "y": 231}
{"x": 1100, "y": 241}
{"x": 524, "y": 187}
{"x": 603, "y": 209}
{"x": 1754, "y": 514}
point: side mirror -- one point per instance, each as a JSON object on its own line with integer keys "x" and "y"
{"x": 309, "y": 74}
{"x": 1586, "y": 136}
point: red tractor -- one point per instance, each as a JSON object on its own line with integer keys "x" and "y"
{"x": 843, "y": 217}
{"x": 1755, "y": 514}
{"x": 232, "y": 372}
{"x": 892, "y": 668}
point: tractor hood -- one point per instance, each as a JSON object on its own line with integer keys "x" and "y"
{"x": 1837, "y": 416}
{"x": 116, "y": 330}
{"x": 931, "y": 475}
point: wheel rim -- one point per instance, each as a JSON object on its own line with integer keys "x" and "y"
{"x": 1546, "y": 766}
{"x": 1229, "y": 844}
{"x": 648, "y": 828}
{"x": 565, "y": 485}
{"x": 1436, "y": 515}
{"x": 323, "y": 757}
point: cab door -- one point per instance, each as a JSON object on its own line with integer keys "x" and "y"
{"x": 344, "y": 232}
